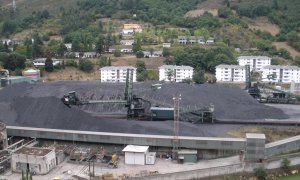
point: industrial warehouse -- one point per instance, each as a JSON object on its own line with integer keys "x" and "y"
{"x": 130, "y": 124}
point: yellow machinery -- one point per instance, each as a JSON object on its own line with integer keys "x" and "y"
{"x": 114, "y": 161}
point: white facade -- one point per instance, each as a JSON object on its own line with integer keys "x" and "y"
{"x": 230, "y": 73}
{"x": 256, "y": 62}
{"x": 127, "y": 42}
{"x": 285, "y": 74}
{"x": 166, "y": 45}
{"x": 41, "y": 62}
{"x": 175, "y": 73}
{"x": 116, "y": 73}
{"x": 135, "y": 154}
{"x": 68, "y": 46}
{"x": 38, "y": 160}
{"x": 130, "y": 31}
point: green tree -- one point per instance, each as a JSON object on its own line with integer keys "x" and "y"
{"x": 12, "y": 61}
{"x": 170, "y": 75}
{"x": 8, "y": 27}
{"x": 76, "y": 45}
{"x": 136, "y": 46}
{"x": 117, "y": 53}
{"x": 85, "y": 65}
{"x": 198, "y": 76}
{"x": 224, "y": 12}
{"x": 166, "y": 52}
{"x": 100, "y": 45}
{"x": 49, "y": 65}
{"x": 141, "y": 70}
{"x": 62, "y": 49}
{"x": 139, "y": 54}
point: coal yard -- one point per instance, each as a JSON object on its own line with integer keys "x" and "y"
{"x": 39, "y": 105}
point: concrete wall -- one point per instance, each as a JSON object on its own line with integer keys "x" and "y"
{"x": 194, "y": 174}
{"x": 283, "y": 146}
{"x": 135, "y": 139}
{"x": 37, "y": 164}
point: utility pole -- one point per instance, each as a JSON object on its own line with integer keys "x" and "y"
{"x": 176, "y": 126}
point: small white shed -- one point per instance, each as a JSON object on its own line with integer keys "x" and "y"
{"x": 135, "y": 154}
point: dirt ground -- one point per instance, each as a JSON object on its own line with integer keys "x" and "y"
{"x": 151, "y": 63}
{"x": 211, "y": 6}
{"x": 284, "y": 45}
{"x": 262, "y": 23}
{"x": 272, "y": 133}
{"x": 71, "y": 73}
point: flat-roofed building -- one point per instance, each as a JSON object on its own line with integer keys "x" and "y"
{"x": 116, "y": 73}
{"x": 256, "y": 62}
{"x": 175, "y": 73}
{"x": 285, "y": 74}
{"x": 230, "y": 73}
{"x": 36, "y": 160}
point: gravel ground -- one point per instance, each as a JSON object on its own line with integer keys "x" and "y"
{"x": 39, "y": 105}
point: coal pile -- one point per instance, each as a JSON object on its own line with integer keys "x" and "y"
{"x": 39, "y": 105}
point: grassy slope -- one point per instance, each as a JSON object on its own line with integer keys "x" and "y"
{"x": 293, "y": 177}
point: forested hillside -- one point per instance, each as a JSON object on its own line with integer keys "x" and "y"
{"x": 95, "y": 25}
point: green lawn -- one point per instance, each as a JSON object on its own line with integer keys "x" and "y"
{"x": 293, "y": 177}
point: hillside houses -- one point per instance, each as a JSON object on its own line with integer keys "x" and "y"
{"x": 194, "y": 40}
{"x": 129, "y": 29}
{"x": 40, "y": 62}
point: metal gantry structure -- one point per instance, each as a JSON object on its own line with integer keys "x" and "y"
{"x": 176, "y": 99}
{"x": 264, "y": 93}
{"x": 133, "y": 104}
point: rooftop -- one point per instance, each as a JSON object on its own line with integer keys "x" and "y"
{"x": 254, "y": 57}
{"x": 255, "y": 136}
{"x": 116, "y": 67}
{"x": 133, "y": 148}
{"x": 230, "y": 66}
{"x": 33, "y": 151}
{"x": 281, "y": 67}
{"x": 175, "y": 67}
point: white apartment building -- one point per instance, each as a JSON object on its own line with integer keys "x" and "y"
{"x": 116, "y": 73}
{"x": 175, "y": 73}
{"x": 256, "y": 62}
{"x": 230, "y": 73}
{"x": 284, "y": 74}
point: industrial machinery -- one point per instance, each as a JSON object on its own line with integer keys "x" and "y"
{"x": 4, "y": 75}
{"x": 134, "y": 105}
{"x": 265, "y": 93}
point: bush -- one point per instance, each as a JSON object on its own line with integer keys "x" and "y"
{"x": 71, "y": 63}
{"x": 260, "y": 173}
{"x": 285, "y": 164}
{"x": 85, "y": 65}
{"x": 117, "y": 53}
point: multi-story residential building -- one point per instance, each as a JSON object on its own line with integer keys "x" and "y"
{"x": 256, "y": 62}
{"x": 116, "y": 73}
{"x": 175, "y": 73}
{"x": 230, "y": 73}
{"x": 284, "y": 74}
